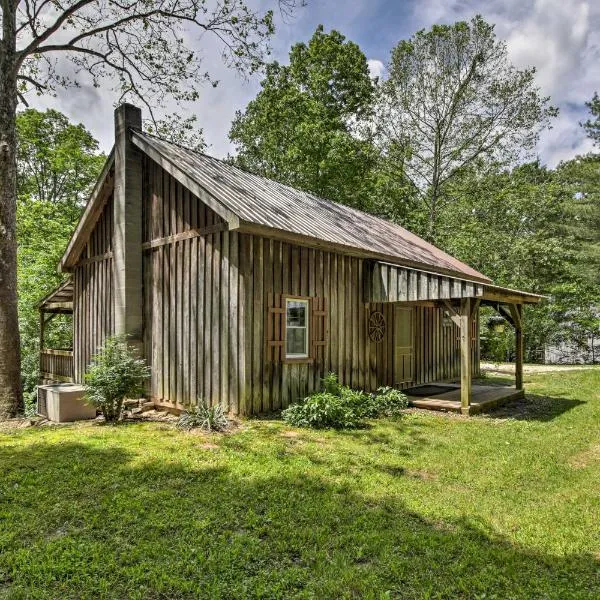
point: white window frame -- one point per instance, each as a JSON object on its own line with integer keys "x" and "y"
{"x": 306, "y": 303}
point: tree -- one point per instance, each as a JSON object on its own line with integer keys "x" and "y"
{"x": 511, "y": 225}
{"x": 140, "y": 48}
{"x": 58, "y": 164}
{"x": 302, "y": 128}
{"x": 592, "y": 126}
{"x": 452, "y": 98}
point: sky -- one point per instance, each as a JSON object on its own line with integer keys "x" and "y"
{"x": 561, "y": 38}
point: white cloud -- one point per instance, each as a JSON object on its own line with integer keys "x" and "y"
{"x": 376, "y": 67}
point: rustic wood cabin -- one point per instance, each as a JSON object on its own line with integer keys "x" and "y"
{"x": 242, "y": 291}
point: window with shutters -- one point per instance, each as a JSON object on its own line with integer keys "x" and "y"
{"x": 296, "y": 326}
{"x": 296, "y": 329}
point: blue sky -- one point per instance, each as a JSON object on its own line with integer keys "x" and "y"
{"x": 561, "y": 38}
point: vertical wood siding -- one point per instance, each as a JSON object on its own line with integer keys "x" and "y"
{"x": 93, "y": 309}
{"x": 206, "y": 312}
{"x": 191, "y": 301}
{"x": 271, "y": 267}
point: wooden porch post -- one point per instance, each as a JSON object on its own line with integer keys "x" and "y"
{"x": 465, "y": 355}
{"x": 517, "y": 315}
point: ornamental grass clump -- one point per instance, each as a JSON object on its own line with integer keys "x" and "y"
{"x": 209, "y": 418}
{"x": 340, "y": 407}
{"x": 115, "y": 374}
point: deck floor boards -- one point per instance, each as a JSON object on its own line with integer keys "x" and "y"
{"x": 483, "y": 397}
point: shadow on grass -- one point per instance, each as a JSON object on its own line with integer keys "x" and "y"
{"x": 78, "y": 520}
{"x": 534, "y": 407}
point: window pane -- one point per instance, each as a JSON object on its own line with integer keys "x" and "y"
{"x": 296, "y": 313}
{"x": 296, "y": 341}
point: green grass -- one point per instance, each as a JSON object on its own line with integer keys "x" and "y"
{"x": 426, "y": 506}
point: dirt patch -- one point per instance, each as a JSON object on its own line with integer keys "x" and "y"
{"x": 290, "y": 434}
{"x": 586, "y": 458}
{"x": 208, "y": 446}
{"x": 421, "y": 474}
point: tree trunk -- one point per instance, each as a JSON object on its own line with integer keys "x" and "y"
{"x": 10, "y": 367}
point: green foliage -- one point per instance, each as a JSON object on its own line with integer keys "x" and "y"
{"x": 209, "y": 418}
{"x": 453, "y": 98}
{"x": 307, "y": 127}
{"x": 115, "y": 374}
{"x": 387, "y": 402}
{"x": 341, "y": 407}
{"x": 321, "y": 410}
{"x": 58, "y": 163}
{"x": 592, "y": 126}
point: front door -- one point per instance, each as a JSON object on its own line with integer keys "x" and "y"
{"x": 404, "y": 336}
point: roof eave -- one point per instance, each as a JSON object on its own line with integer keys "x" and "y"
{"x": 287, "y": 236}
{"x": 88, "y": 218}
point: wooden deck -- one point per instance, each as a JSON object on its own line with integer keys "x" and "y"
{"x": 483, "y": 398}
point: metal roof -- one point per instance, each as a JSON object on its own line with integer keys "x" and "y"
{"x": 266, "y": 203}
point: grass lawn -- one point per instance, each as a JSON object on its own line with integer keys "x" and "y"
{"x": 426, "y": 506}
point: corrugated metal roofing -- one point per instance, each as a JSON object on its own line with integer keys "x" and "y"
{"x": 260, "y": 201}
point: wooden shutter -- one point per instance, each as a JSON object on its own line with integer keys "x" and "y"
{"x": 403, "y": 345}
{"x": 319, "y": 329}
{"x": 275, "y": 329}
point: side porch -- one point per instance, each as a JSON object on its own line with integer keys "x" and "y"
{"x": 56, "y": 364}
{"x": 460, "y": 301}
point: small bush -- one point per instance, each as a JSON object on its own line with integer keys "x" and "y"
{"x": 387, "y": 402}
{"x": 341, "y": 407}
{"x": 321, "y": 410}
{"x": 116, "y": 373}
{"x": 209, "y": 418}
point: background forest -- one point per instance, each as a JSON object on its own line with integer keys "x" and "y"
{"x": 444, "y": 144}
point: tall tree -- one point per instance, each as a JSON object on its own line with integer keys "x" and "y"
{"x": 58, "y": 164}
{"x": 452, "y": 98}
{"x": 302, "y": 128}
{"x": 141, "y": 48}
{"x": 592, "y": 126}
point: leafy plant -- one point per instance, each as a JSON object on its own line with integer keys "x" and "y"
{"x": 209, "y": 418}
{"x": 322, "y": 410}
{"x": 116, "y": 373}
{"x": 387, "y": 402}
{"x": 341, "y": 407}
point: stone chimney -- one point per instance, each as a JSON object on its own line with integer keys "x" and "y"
{"x": 127, "y": 240}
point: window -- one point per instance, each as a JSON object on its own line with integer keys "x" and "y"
{"x": 296, "y": 323}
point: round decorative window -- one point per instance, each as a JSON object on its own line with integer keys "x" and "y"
{"x": 376, "y": 326}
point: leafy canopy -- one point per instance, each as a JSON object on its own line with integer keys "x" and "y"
{"x": 453, "y": 98}
{"x": 303, "y": 127}
{"x": 58, "y": 163}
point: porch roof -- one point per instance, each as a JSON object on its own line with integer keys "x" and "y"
{"x": 59, "y": 300}
{"x": 387, "y": 282}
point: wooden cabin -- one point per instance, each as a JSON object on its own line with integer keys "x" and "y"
{"x": 242, "y": 291}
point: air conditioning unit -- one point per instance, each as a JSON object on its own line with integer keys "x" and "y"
{"x": 63, "y": 402}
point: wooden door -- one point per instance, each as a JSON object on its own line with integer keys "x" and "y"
{"x": 404, "y": 345}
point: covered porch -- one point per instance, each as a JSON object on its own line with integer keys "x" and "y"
{"x": 460, "y": 299}
{"x": 56, "y": 364}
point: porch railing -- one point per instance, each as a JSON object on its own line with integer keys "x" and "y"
{"x": 56, "y": 365}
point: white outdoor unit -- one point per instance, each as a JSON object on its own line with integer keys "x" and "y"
{"x": 63, "y": 402}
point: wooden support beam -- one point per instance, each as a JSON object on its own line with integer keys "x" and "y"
{"x": 454, "y": 314}
{"x": 516, "y": 311}
{"x": 466, "y": 316}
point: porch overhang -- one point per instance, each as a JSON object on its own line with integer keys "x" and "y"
{"x": 59, "y": 300}
{"x": 387, "y": 282}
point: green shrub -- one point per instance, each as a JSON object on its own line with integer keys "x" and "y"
{"x": 209, "y": 418}
{"x": 321, "y": 410}
{"x": 115, "y": 373}
{"x": 341, "y": 407}
{"x": 387, "y": 402}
